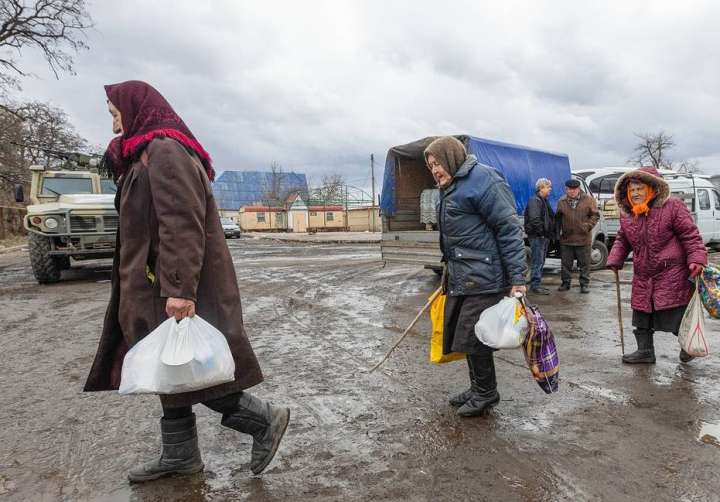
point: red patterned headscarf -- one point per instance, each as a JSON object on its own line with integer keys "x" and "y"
{"x": 147, "y": 115}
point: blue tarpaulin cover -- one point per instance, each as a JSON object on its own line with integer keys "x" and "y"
{"x": 519, "y": 165}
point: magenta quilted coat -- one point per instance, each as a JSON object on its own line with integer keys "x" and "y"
{"x": 663, "y": 244}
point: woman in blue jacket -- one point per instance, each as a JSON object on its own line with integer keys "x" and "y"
{"x": 481, "y": 238}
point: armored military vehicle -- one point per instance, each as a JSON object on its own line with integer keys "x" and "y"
{"x": 71, "y": 215}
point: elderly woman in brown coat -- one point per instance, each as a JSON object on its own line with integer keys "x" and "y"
{"x": 171, "y": 260}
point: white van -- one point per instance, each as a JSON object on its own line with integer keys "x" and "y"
{"x": 699, "y": 193}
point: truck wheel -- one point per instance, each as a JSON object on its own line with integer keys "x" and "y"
{"x": 598, "y": 256}
{"x": 63, "y": 262}
{"x": 45, "y": 267}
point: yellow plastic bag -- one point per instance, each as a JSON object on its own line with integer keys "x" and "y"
{"x": 437, "y": 317}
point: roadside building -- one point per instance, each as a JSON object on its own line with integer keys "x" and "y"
{"x": 235, "y": 189}
{"x": 364, "y": 219}
{"x": 326, "y": 218}
{"x": 262, "y": 219}
{"x": 298, "y": 214}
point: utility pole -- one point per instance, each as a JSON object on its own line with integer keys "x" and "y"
{"x": 372, "y": 176}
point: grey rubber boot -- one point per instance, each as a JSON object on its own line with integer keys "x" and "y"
{"x": 179, "y": 454}
{"x": 484, "y": 387}
{"x": 645, "y": 354}
{"x": 459, "y": 399}
{"x": 265, "y": 423}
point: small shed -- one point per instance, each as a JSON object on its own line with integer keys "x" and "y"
{"x": 298, "y": 214}
{"x": 263, "y": 219}
{"x": 364, "y": 219}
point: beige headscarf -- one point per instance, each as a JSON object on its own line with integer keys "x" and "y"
{"x": 449, "y": 152}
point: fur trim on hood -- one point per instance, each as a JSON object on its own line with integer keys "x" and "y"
{"x": 649, "y": 176}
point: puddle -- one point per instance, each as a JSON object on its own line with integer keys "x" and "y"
{"x": 709, "y": 433}
{"x": 605, "y": 393}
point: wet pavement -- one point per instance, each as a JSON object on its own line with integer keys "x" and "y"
{"x": 319, "y": 316}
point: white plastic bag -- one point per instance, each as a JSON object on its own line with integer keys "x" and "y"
{"x": 692, "y": 328}
{"x": 178, "y": 357}
{"x": 504, "y": 325}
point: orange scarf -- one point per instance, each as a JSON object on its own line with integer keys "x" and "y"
{"x": 642, "y": 208}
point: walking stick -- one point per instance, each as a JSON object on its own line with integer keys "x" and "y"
{"x": 619, "y": 304}
{"x": 407, "y": 330}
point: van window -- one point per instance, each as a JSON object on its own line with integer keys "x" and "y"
{"x": 604, "y": 184}
{"x": 716, "y": 196}
{"x": 704, "y": 200}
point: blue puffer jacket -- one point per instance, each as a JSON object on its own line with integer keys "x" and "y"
{"x": 481, "y": 236}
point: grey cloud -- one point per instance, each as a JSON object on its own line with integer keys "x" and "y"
{"x": 318, "y": 86}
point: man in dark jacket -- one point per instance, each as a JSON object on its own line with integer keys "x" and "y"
{"x": 540, "y": 228}
{"x": 482, "y": 244}
{"x": 577, "y": 215}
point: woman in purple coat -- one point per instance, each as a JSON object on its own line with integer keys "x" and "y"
{"x": 667, "y": 251}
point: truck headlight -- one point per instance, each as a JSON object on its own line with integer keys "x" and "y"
{"x": 51, "y": 223}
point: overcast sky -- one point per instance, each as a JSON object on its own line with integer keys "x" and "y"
{"x": 318, "y": 86}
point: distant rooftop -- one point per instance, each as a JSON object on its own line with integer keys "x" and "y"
{"x": 233, "y": 189}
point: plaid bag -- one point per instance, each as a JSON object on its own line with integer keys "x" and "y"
{"x": 709, "y": 289}
{"x": 541, "y": 352}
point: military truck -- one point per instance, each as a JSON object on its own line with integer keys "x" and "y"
{"x": 71, "y": 215}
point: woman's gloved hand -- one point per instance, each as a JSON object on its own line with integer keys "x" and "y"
{"x": 695, "y": 269}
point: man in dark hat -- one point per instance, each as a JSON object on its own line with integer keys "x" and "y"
{"x": 577, "y": 215}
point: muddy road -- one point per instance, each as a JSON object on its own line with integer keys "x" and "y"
{"x": 318, "y": 317}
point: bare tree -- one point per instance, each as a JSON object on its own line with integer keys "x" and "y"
{"x": 652, "y": 150}
{"x": 55, "y": 27}
{"x": 332, "y": 188}
{"x": 34, "y": 133}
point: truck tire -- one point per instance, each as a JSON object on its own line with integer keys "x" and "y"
{"x": 598, "y": 255}
{"x": 44, "y": 266}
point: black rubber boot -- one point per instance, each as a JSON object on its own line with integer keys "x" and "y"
{"x": 584, "y": 289}
{"x": 645, "y": 354}
{"x": 179, "y": 454}
{"x": 685, "y": 357}
{"x": 265, "y": 423}
{"x": 484, "y": 387}
{"x": 460, "y": 399}
{"x": 565, "y": 286}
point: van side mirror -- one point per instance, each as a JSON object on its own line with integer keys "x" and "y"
{"x": 19, "y": 193}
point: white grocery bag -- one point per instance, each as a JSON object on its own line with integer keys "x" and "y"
{"x": 692, "y": 328}
{"x": 504, "y": 325}
{"x": 178, "y": 357}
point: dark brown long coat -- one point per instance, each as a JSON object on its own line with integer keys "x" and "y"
{"x": 170, "y": 227}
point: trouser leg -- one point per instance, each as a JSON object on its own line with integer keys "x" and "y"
{"x": 538, "y": 250}
{"x": 174, "y": 413}
{"x": 582, "y": 254}
{"x": 567, "y": 257}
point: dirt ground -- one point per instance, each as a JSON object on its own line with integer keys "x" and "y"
{"x": 319, "y": 315}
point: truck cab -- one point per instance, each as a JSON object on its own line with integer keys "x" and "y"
{"x": 71, "y": 215}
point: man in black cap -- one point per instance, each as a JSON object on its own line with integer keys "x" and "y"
{"x": 577, "y": 214}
